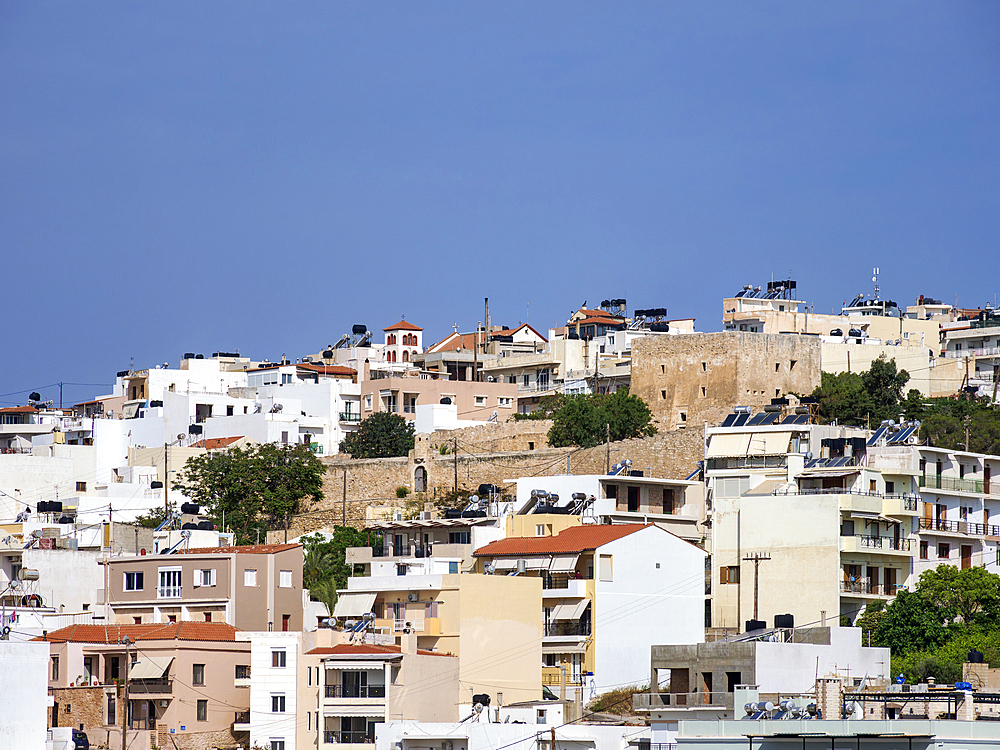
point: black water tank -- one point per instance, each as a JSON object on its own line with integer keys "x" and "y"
{"x": 659, "y": 327}
{"x": 35, "y": 396}
{"x": 453, "y": 513}
{"x": 189, "y": 526}
{"x": 975, "y": 657}
{"x": 486, "y": 489}
{"x": 188, "y": 355}
{"x": 156, "y": 485}
{"x": 65, "y": 519}
{"x": 359, "y": 330}
{"x": 155, "y": 403}
{"x": 199, "y": 356}
{"x": 784, "y": 621}
{"x": 446, "y": 401}
{"x": 194, "y": 429}
{"x": 481, "y": 698}
{"x": 328, "y": 354}
{"x": 755, "y": 625}
{"x": 190, "y": 508}
{"x": 206, "y": 526}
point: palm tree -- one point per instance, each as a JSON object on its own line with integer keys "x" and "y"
{"x": 317, "y": 565}
{"x": 325, "y": 591}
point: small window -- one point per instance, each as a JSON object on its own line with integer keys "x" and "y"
{"x": 277, "y": 744}
{"x": 171, "y": 618}
{"x": 729, "y": 574}
{"x": 606, "y": 569}
{"x": 197, "y": 674}
{"x": 924, "y": 551}
{"x": 663, "y": 395}
{"x": 249, "y": 577}
{"x": 81, "y": 486}
{"x": 278, "y": 658}
{"x": 229, "y": 411}
{"x": 480, "y": 401}
{"x": 531, "y": 446}
{"x": 540, "y": 716}
{"x": 202, "y": 710}
{"x": 453, "y": 567}
{"x": 204, "y": 577}
{"x": 663, "y": 369}
{"x": 368, "y": 402}
{"x": 55, "y": 668}
{"x": 944, "y": 551}
{"x": 540, "y": 529}
{"x": 704, "y": 366}
{"x": 278, "y": 705}
{"x": 872, "y": 486}
{"x": 890, "y": 488}
{"x": 137, "y": 620}
{"x": 285, "y": 579}
{"x": 777, "y": 366}
{"x": 791, "y": 364}
{"x": 703, "y": 391}
{"x": 133, "y": 581}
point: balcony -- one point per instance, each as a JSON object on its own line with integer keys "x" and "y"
{"x": 959, "y": 527}
{"x": 900, "y": 505}
{"x": 566, "y": 628}
{"x": 169, "y": 592}
{"x": 884, "y": 544}
{"x": 347, "y": 738}
{"x": 642, "y": 702}
{"x": 241, "y": 722}
{"x": 354, "y": 691}
{"x": 145, "y": 687}
{"x": 564, "y": 588}
{"x": 350, "y": 416}
{"x": 552, "y": 678}
{"x": 865, "y": 589}
{"x": 958, "y": 484}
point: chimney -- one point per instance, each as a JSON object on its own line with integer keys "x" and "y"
{"x": 408, "y": 642}
{"x": 366, "y": 372}
{"x": 829, "y": 698}
{"x": 796, "y": 463}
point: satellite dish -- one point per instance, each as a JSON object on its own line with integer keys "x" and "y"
{"x": 180, "y": 436}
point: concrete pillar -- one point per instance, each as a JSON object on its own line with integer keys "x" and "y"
{"x": 966, "y": 709}
{"x": 828, "y": 696}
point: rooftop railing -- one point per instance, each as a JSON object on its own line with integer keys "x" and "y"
{"x": 959, "y": 527}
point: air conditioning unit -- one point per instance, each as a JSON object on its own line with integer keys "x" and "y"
{"x": 425, "y": 515}
{"x": 163, "y": 703}
{"x": 413, "y": 596}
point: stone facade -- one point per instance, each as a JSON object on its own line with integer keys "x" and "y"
{"x": 79, "y": 707}
{"x": 698, "y": 378}
{"x": 373, "y": 482}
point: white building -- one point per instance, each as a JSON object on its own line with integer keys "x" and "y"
{"x": 24, "y": 677}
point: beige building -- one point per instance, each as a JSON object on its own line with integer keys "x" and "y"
{"x": 400, "y": 393}
{"x": 181, "y": 680}
{"x": 499, "y": 647}
{"x": 255, "y": 587}
{"x": 697, "y": 378}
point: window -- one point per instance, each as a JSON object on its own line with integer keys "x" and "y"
{"x": 278, "y": 703}
{"x": 890, "y": 487}
{"x": 453, "y": 567}
{"x": 944, "y": 550}
{"x": 777, "y": 366}
{"x": 170, "y": 584}
{"x": 480, "y": 401}
{"x": 729, "y": 574}
{"x": 924, "y": 551}
{"x": 137, "y": 620}
{"x": 249, "y": 577}
{"x": 368, "y": 402}
{"x": 202, "y": 710}
{"x": 242, "y": 671}
{"x": 197, "y": 674}
{"x": 504, "y": 401}
{"x": 278, "y": 658}
{"x": 540, "y": 529}
{"x": 606, "y": 568}
{"x": 540, "y": 716}
{"x": 81, "y": 486}
{"x": 286, "y": 623}
{"x": 133, "y": 581}
{"x": 285, "y": 579}
{"x": 459, "y": 537}
{"x": 171, "y": 618}
{"x": 229, "y": 411}
{"x": 278, "y": 744}
{"x": 731, "y": 486}
{"x": 208, "y": 616}
{"x": 791, "y": 364}
{"x": 872, "y": 485}
{"x": 204, "y": 577}
{"x": 55, "y": 668}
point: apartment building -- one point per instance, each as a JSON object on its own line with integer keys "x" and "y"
{"x": 330, "y": 688}
{"x": 179, "y": 679}
{"x": 830, "y": 531}
{"x": 493, "y": 624}
{"x": 400, "y": 393}
{"x": 607, "y": 593}
{"x": 673, "y": 504}
{"x": 256, "y": 587}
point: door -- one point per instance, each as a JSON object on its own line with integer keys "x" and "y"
{"x": 889, "y": 578}
{"x": 873, "y": 580}
{"x": 966, "y": 556}
{"x": 926, "y": 521}
{"x": 986, "y": 479}
{"x": 633, "y": 499}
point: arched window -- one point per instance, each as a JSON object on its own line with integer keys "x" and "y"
{"x": 394, "y": 356}
{"x": 406, "y": 356}
{"x": 420, "y": 479}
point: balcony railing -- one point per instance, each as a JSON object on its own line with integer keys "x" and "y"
{"x": 654, "y": 701}
{"x": 864, "y": 588}
{"x": 168, "y": 592}
{"x": 350, "y": 416}
{"x": 417, "y": 625}
{"x": 402, "y": 550}
{"x": 909, "y": 501}
{"x": 242, "y": 717}
{"x": 556, "y": 679}
{"x": 138, "y": 687}
{"x": 884, "y": 542}
{"x": 957, "y": 484}
{"x": 567, "y": 628}
{"x": 355, "y": 691}
{"x": 959, "y": 527}
{"x": 346, "y": 738}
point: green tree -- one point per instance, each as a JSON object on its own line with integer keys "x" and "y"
{"x": 869, "y": 622}
{"x": 911, "y": 623}
{"x": 865, "y": 398}
{"x": 972, "y": 594}
{"x": 255, "y": 487}
{"x": 884, "y": 385}
{"x": 585, "y": 420}
{"x": 382, "y": 435}
{"x": 155, "y": 517}
{"x": 326, "y": 556}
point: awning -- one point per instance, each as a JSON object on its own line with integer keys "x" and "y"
{"x": 504, "y": 563}
{"x": 565, "y": 648}
{"x": 820, "y": 474}
{"x": 564, "y": 564}
{"x": 366, "y": 665}
{"x": 769, "y": 443}
{"x": 871, "y": 516}
{"x": 767, "y": 487}
{"x": 353, "y": 604}
{"x": 726, "y": 445}
{"x": 150, "y": 667}
{"x": 130, "y": 410}
{"x": 572, "y": 611}
{"x": 536, "y": 563}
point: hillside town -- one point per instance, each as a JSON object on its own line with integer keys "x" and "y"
{"x": 611, "y": 531}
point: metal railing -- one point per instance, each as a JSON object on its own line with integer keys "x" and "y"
{"x": 136, "y": 687}
{"x": 556, "y": 679}
{"x": 959, "y": 527}
{"x": 567, "y": 628}
{"x": 355, "y": 691}
{"x": 412, "y": 623}
{"x": 242, "y": 717}
{"x": 958, "y": 484}
{"x": 347, "y": 738}
{"x": 403, "y": 550}
{"x": 909, "y": 500}
{"x": 350, "y": 416}
{"x": 866, "y": 588}
{"x": 653, "y": 701}
{"x": 169, "y": 592}
{"x": 884, "y": 542}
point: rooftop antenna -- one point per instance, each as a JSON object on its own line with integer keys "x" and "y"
{"x": 875, "y": 281}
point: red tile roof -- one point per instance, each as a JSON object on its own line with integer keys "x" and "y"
{"x": 328, "y": 369}
{"x": 181, "y": 631}
{"x": 403, "y": 326}
{"x": 215, "y": 443}
{"x": 599, "y": 314}
{"x": 575, "y": 539}
{"x": 19, "y": 410}
{"x": 604, "y": 321}
{"x": 249, "y": 549}
{"x": 365, "y": 649}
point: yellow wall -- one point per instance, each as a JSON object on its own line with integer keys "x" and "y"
{"x": 524, "y": 526}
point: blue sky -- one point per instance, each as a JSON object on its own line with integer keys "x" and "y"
{"x": 212, "y": 176}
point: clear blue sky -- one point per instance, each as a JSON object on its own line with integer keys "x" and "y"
{"x": 211, "y": 176}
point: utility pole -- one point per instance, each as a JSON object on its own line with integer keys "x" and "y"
{"x": 475, "y": 354}
{"x": 60, "y": 394}
{"x": 968, "y": 421}
{"x": 454, "y": 451}
{"x": 125, "y": 640}
{"x": 756, "y": 558}
{"x": 607, "y": 450}
{"x": 343, "y": 505}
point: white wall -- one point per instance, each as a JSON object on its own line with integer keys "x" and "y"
{"x": 266, "y": 680}
{"x": 644, "y": 604}
{"x": 791, "y": 667}
{"x": 67, "y": 579}
{"x": 24, "y": 677}
{"x": 424, "y": 736}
